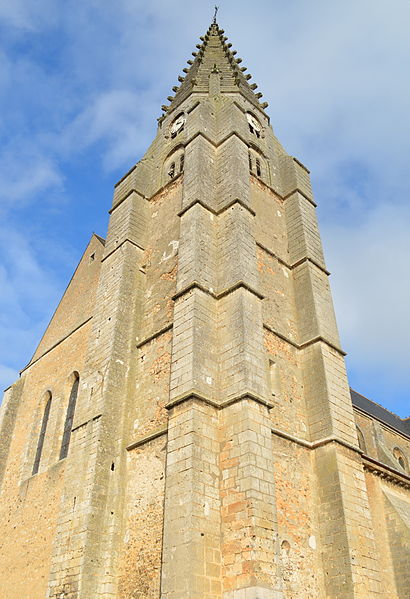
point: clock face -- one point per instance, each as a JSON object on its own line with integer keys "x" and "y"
{"x": 253, "y": 122}
{"x": 178, "y": 124}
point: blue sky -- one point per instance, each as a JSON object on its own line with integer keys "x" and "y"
{"x": 81, "y": 85}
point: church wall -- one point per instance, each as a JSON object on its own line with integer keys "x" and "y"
{"x": 29, "y": 504}
{"x": 299, "y": 542}
{"x": 160, "y": 259}
{"x": 289, "y": 412}
{"x": 397, "y": 510}
{"x": 381, "y": 441}
{"x": 140, "y": 560}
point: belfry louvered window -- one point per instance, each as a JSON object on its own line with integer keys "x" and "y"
{"x": 68, "y": 425}
{"x": 42, "y": 435}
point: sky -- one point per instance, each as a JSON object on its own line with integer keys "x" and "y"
{"x": 81, "y": 86}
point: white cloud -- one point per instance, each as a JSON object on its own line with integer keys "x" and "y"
{"x": 372, "y": 289}
{"x": 24, "y": 174}
{"x": 28, "y": 293}
{"x": 27, "y": 15}
{"x": 117, "y": 121}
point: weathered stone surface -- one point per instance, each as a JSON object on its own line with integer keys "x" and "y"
{"x": 214, "y": 450}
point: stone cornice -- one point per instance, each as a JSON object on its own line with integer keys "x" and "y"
{"x": 386, "y": 472}
{"x": 158, "y": 333}
{"x": 198, "y": 396}
{"x": 223, "y": 293}
{"x": 315, "y": 444}
{"x": 302, "y": 193}
{"x": 120, "y": 245}
{"x": 159, "y": 432}
{"x": 214, "y": 211}
{"x": 317, "y": 339}
{"x": 295, "y": 264}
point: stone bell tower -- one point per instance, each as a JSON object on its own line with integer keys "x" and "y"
{"x": 213, "y": 451}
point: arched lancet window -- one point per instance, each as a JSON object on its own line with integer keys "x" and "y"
{"x": 360, "y": 438}
{"x": 399, "y": 455}
{"x": 68, "y": 425}
{"x": 42, "y": 435}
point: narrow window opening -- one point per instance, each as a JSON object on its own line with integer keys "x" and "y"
{"x": 181, "y": 163}
{"x": 171, "y": 171}
{"x": 42, "y": 435}
{"x": 68, "y": 425}
{"x": 258, "y": 167}
{"x": 250, "y": 161}
{"x": 92, "y": 257}
{"x": 113, "y": 467}
{"x": 274, "y": 378}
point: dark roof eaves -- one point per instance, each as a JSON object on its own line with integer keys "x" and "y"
{"x": 380, "y": 413}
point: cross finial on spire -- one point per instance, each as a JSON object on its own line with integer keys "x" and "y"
{"x": 215, "y": 13}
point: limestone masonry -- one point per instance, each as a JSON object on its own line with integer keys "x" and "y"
{"x": 185, "y": 428}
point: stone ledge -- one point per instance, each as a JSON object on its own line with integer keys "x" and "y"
{"x": 323, "y": 340}
{"x": 302, "y": 193}
{"x": 127, "y": 195}
{"x": 159, "y": 432}
{"x": 301, "y": 164}
{"x": 315, "y": 444}
{"x": 126, "y": 175}
{"x": 386, "y": 472}
{"x": 295, "y": 264}
{"x": 313, "y": 261}
{"x": 213, "y": 210}
{"x": 281, "y": 336}
{"x": 85, "y": 422}
{"x": 306, "y": 343}
{"x": 158, "y": 333}
{"x": 120, "y": 245}
{"x": 219, "y": 405}
{"x": 223, "y": 293}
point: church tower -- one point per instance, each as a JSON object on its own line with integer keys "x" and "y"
{"x": 185, "y": 429}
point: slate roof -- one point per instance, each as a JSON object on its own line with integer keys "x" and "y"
{"x": 377, "y": 411}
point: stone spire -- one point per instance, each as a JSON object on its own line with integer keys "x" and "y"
{"x": 214, "y": 56}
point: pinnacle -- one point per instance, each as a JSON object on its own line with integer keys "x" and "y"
{"x": 214, "y": 55}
